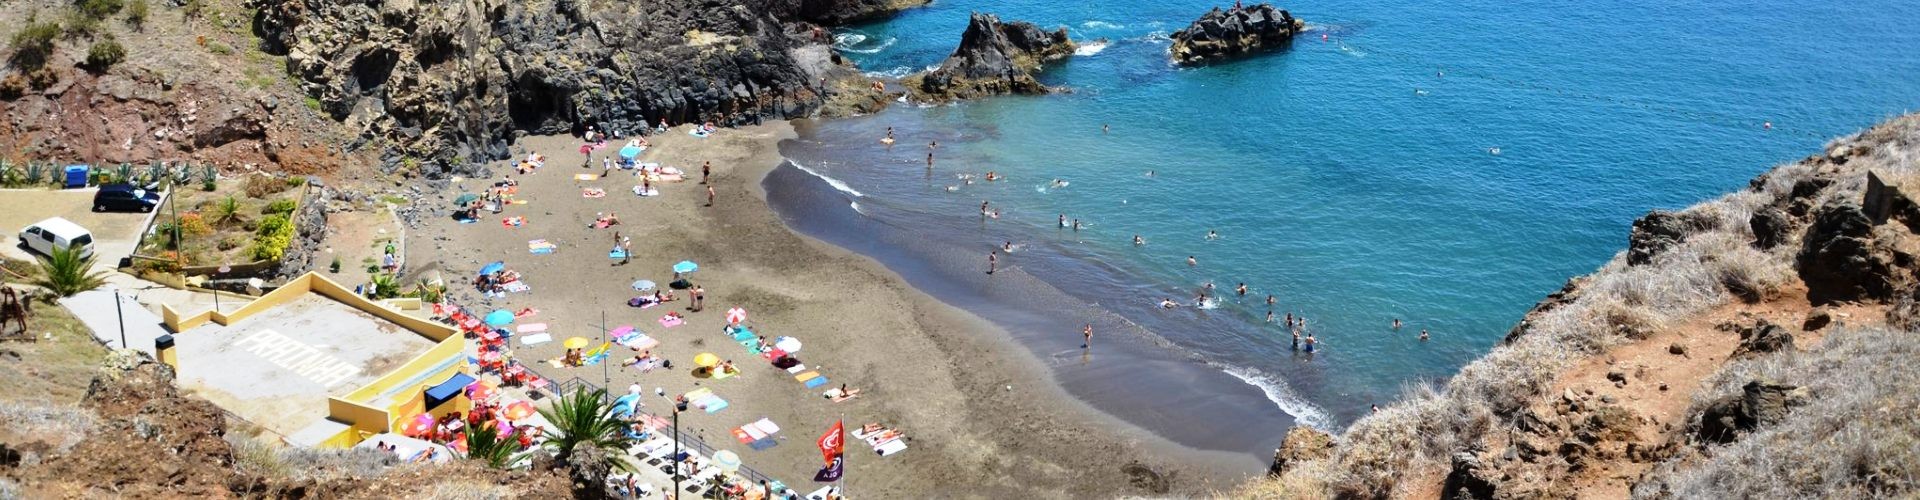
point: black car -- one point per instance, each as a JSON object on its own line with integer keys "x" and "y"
{"x": 125, "y": 198}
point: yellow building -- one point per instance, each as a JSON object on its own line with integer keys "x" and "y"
{"x": 318, "y": 365}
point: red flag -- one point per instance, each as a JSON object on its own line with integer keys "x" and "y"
{"x": 833, "y": 443}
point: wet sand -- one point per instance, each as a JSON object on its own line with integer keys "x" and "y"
{"x": 984, "y": 418}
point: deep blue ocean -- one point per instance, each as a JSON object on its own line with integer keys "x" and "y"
{"x": 1444, "y": 163}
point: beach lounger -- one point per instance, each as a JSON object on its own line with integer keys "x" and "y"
{"x": 536, "y": 339}
{"x": 531, "y": 328}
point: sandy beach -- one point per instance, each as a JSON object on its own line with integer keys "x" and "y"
{"x": 983, "y": 418}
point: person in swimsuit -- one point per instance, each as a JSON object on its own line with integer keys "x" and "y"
{"x": 1087, "y": 335}
{"x": 1423, "y": 335}
{"x": 1212, "y": 235}
{"x": 1063, "y": 220}
{"x": 1396, "y": 323}
{"x": 1168, "y": 303}
{"x": 1241, "y": 290}
{"x": 1310, "y": 343}
{"x": 1137, "y": 241}
{"x": 1269, "y": 315}
{"x": 1191, "y": 262}
{"x": 993, "y": 261}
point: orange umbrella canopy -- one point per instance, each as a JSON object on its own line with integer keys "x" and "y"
{"x": 480, "y": 391}
{"x": 519, "y": 410}
{"x": 418, "y": 426}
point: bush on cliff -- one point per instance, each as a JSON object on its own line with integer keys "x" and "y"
{"x": 104, "y": 54}
{"x": 33, "y": 44}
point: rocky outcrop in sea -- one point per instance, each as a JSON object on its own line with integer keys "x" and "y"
{"x": 451, "y": 84}
{"x": 993, "y": 58}
{"x": 1233, "y": 32}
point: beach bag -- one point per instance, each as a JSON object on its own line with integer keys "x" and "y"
{"x": 636, "y": 302}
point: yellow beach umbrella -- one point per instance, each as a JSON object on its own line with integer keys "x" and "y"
{"x": 576, "y": 343}
{"x": 706, "y": 359}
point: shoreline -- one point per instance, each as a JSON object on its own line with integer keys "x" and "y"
{"x": 923, "y": 364}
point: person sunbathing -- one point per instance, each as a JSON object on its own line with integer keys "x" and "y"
{"x": 708, "y": 127}
{"x": 871, "y": 428}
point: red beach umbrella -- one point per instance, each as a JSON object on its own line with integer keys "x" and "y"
{"x": 420, "y": 425}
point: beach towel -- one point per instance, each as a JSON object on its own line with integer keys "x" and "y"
{"x": 763, "y": 444}
{"x": 525, "y": 313}
{"x": 740, "y": 434}
{"x": 531, "y": 328}
{"x": 765, "y": 426}
{"x": 517, "y": 287}
{"x": 517, "y": 202}
{"x": 593, "y": 193}
{"x": 891, "y": 447}
{"x": 621, "y": 332}
{"x": 585, "y": 177}
{"x": 637, "y": 190}
{"x": 466, "y": 221}
{"x": 753, "y": 432}
{"x": 670, "y": 321}
{"x": 541, "y": 247}
{"x": 641, "y": 342}
{"x": 723, "y": 374}
{"x": 714, "y": 405}
{"x": 616, "y": 254}
{"x": 806, "y": 376}
{"x": 815, "y": 383}
{"x": 515, "y": 221}
{"x": 797, "y": 368}
{"x": 700, "y": 132}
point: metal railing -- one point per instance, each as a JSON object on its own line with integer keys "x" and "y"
{"x": 557, "y": 388}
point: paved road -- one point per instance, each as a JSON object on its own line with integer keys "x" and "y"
{"x": 114, "y": 234}
{"x": 96, "y": 309}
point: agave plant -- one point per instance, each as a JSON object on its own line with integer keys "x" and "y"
{"x": 182, "y": 173}
{"x": 208, "y": 174}
{"x": 65, "y": 272}
{"x": 124, "y": 174}
{"x": 34, "y": 174}
{"x": 385, "y": 286}
{"x": 8, "y": 177}
{"x": 582, "y": 420}
{"x": 488, "y": 447}
{"x": 155, "y": 173}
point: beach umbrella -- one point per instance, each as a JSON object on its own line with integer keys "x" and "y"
{"x": 479, "y": 391}
{"x": 726, "y": 460}
{"x": 627, "y": 153}
{"x": 458, "y": 445}
{"x": 518, "y": 410}
{"x": 499, "y": 317}
{"x": 789, "y": 344}
{"x": 706, "y": 359}
{"x": 490, "y": 356}
{"x": 465, "y": 199}
{"x": 496, "y": 266}
{"x": 736, "y": 315}
{"x": 576, "y": 343}
{"x": 418, "y": 426}
{"x": 643, "y": 285}
{"x": 686, "y": 266}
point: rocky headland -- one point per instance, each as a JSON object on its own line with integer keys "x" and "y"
{"x": 1754, "y": 346}
{"x": 993, "y": 58}
{"x": 1222, "y": 34}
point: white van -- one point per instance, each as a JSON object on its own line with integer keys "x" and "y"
{"x": 46, "y": 235}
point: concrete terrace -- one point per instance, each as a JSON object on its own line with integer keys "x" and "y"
{"x": 278, "y": 367}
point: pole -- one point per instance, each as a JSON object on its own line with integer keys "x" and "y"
{"x": 676, "y": 451}
{"x": 121, "y": 318}
{"x": 606, "y": 378}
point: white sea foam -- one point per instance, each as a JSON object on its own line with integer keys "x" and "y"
{"x": 869, "y": 50}
{"x": 1282, "y": 396}
{"x": 844, "y": 40}
{"x": 837, "y": 185}
{"x": 1090, "y": 49}
{"x": 1092, "y": 25}
{"x": 896, "y": 72}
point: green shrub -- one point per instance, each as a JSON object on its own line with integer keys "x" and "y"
{"x": 261, "y": 186}
{"x": 279, "y": 207}
{"x": 220, "y": 48}
{"x": 33, "y": 44}
{"x": 104, "y": 54}
{"x": 271, "y": 240}
{"x": 99, "y": 9}
{"x": 137, "y": 13}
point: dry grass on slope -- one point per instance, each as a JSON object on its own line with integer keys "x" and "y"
{"x": 1856, "y": 436}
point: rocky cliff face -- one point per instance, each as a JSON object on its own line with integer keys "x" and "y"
{"x": 1222, "y": 34}
{"x": 1780, "y": 317}
{"x": 833, "y": 12}
{"x": 993, "y": 58}
{"x": 451, "y": 82}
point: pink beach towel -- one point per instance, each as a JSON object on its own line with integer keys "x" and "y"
{"x": 670, "y": 321}
{"x": 532, "y": 327}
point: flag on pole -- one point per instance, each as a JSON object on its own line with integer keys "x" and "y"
{"x": 832, "y": 451}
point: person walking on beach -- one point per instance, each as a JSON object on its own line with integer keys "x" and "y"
{"x": 706, "y": 170}
{"x": 1086, "y": 335}
{"x": 993, "y": 261}
{"x": 709, "y": 196}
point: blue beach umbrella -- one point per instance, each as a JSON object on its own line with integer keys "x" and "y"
{"x": 643, "y": 285}
{"x": 627, "y": 153}
{"x": 686, "y": 266}
{"x": 492, "y": 268}
{"x": 499, "y": 317}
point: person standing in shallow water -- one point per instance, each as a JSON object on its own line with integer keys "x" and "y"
{"x": 993, "y": 261}
{"x": 1310, "y": 342}
{"x": 1086, "y": 335}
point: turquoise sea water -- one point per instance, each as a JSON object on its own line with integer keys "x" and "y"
{"x": 1354, "y": 178}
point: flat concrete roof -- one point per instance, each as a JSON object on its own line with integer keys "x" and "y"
{"x": 278, "y": 367}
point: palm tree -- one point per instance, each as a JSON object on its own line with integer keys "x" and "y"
{"x": 228, "y": 210}
{"x": 385, "y": 286}
{"x": 66, "y": 273}
{"x": 584, "y": 420}
{"x": 486, "y": 446}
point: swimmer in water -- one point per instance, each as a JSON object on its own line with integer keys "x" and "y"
{"x": 1076, "y": 224}
{"x": 995, "y": 214}
{"x": 1212, "y": 235}
{"x": 1063, "y": 220}
{"x": 933, "y": 144}
{"x": 1270, "y": 299}
{"x": 1423, "y": 335}
{"x": 1241, "y": 290}
{"x": 1137, "y": 241}
{"x": 1269, "y": 315}
{"x": 1310, "y": 343}
{"x": 1191, "y": 262}
{"x": 1104, "y": 128}
{"x": 1149, "y": 173}
{"x": 889, "y": 132}
{"x": 1396, "y": 323}
{"x": 1168, "y": 303}
{"x": 1493, "y": 151}
{"x": 1008, "y": 247}
{"x": 993, "y": 262}
{"x": 929, "y": 159}
{"x": 983, "y": 207}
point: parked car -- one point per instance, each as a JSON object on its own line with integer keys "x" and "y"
{"x": 46, "y": 235}
{"x": 124, "y": 198}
